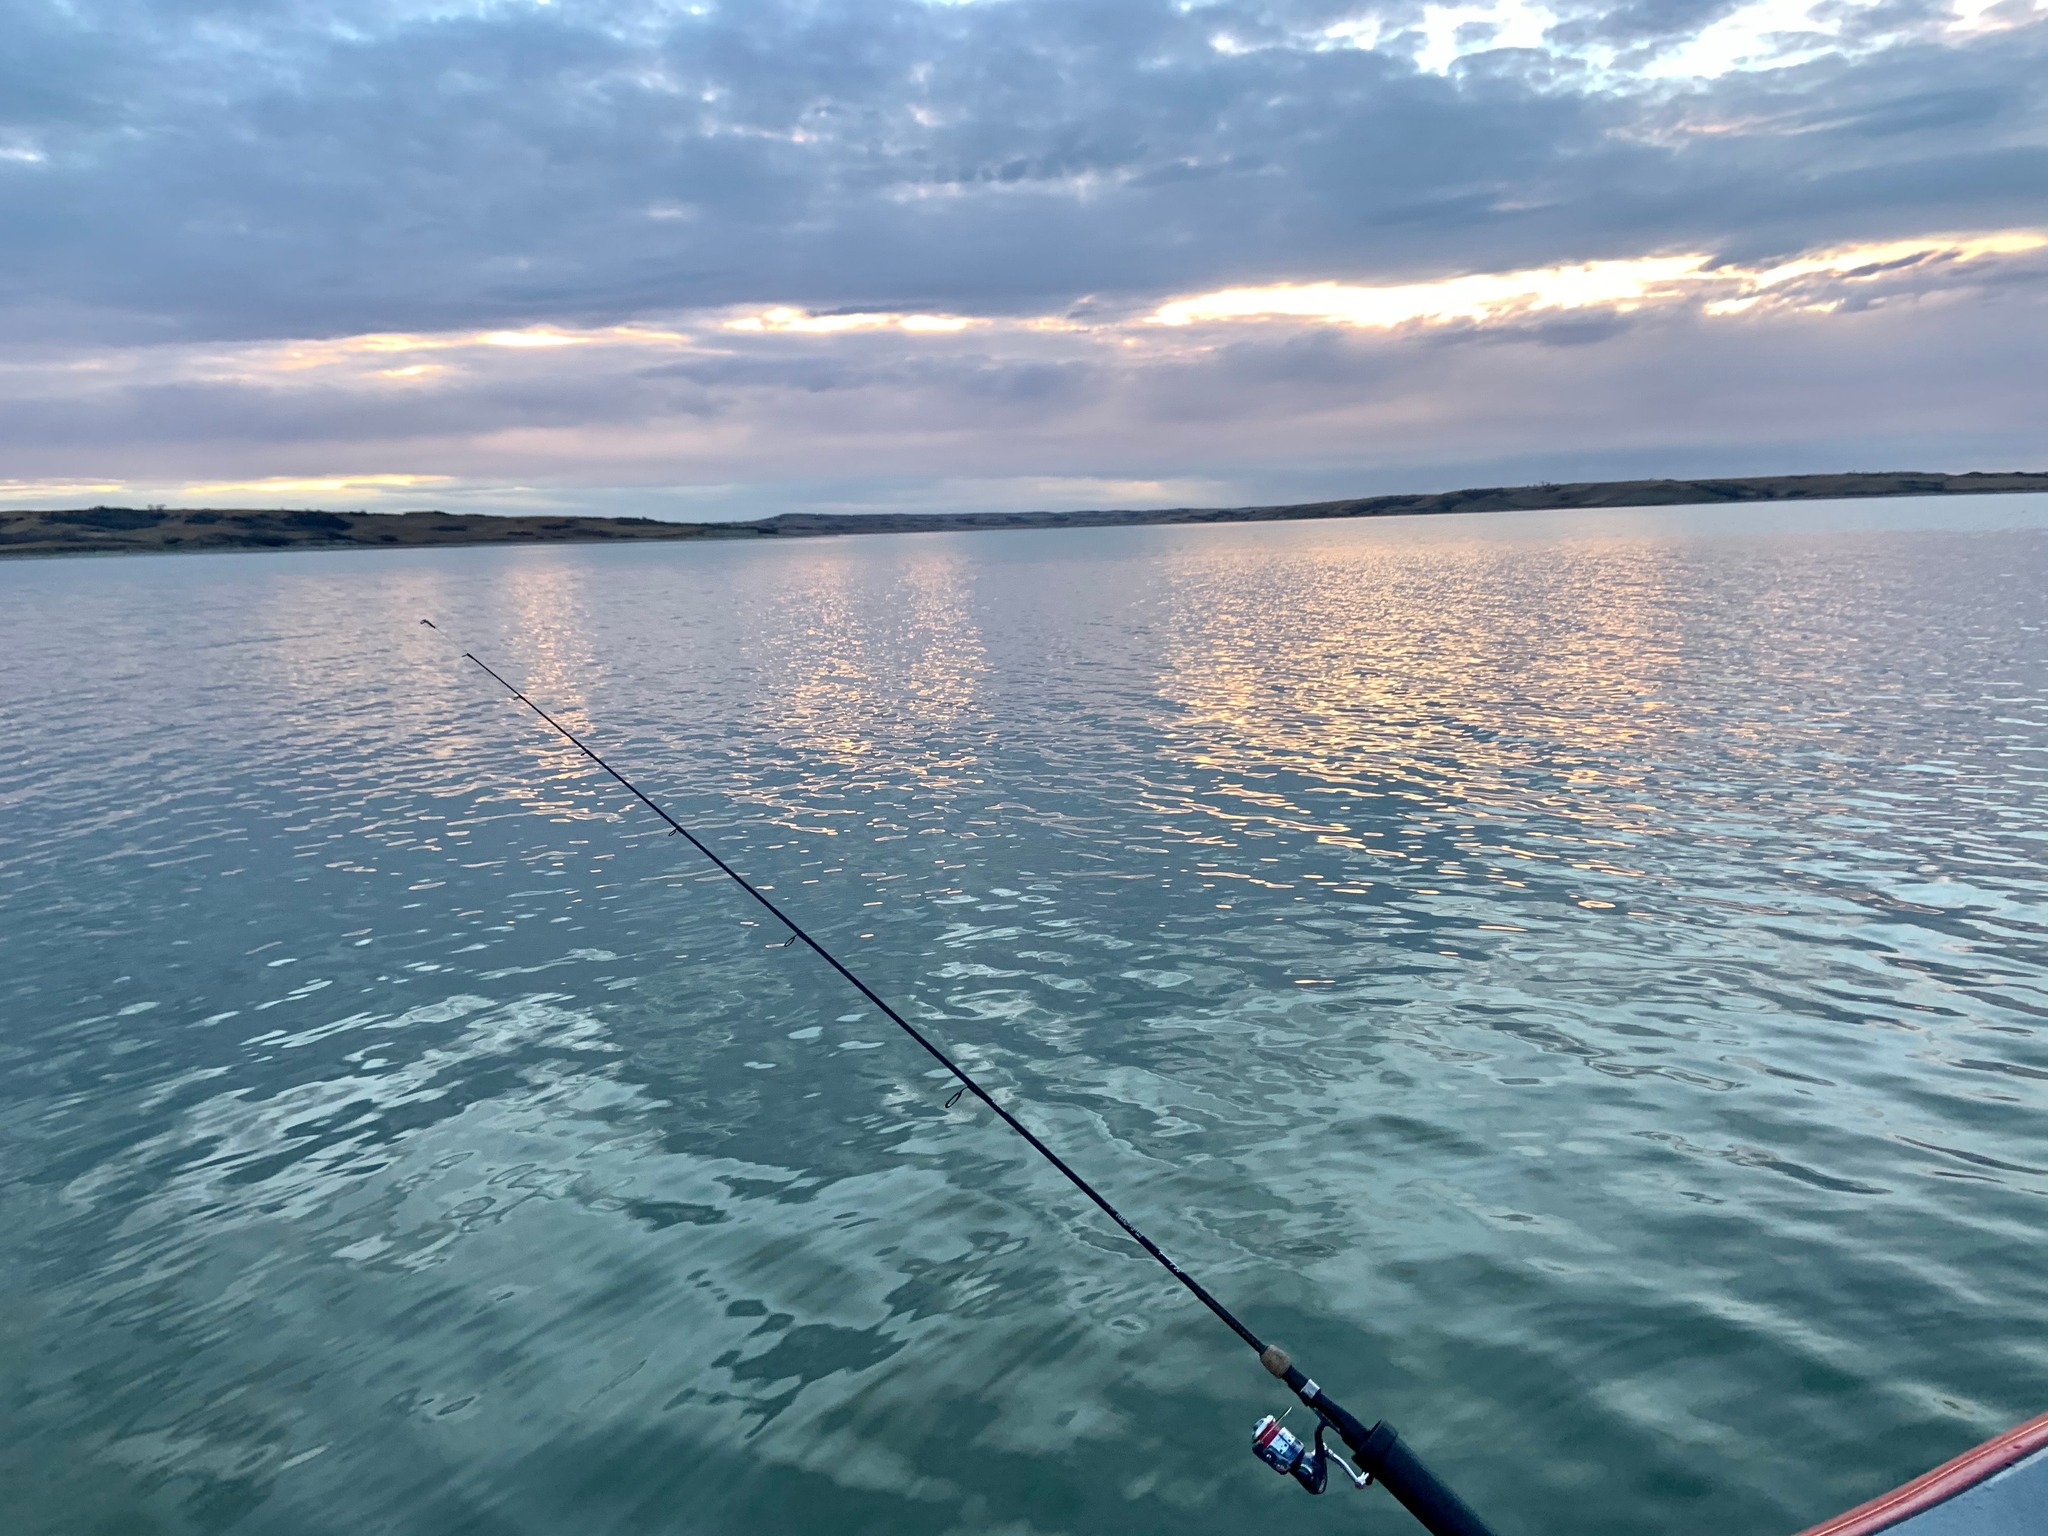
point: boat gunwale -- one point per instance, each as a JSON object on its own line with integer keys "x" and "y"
{"x": 1978, "y": 1465}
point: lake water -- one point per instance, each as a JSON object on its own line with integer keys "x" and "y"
{"x": 1580, "y": 981}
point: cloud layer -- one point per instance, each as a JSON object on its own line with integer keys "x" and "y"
{"x": 717, "y": 260}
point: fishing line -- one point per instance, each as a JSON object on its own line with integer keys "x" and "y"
{"x": 967, "y": 1082}
{"x": 1380, "y": 1451}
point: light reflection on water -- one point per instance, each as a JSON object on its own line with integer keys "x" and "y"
{"x": 1578, "y": 980}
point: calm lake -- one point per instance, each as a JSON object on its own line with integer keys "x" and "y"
{"x": 1580, "y": 981}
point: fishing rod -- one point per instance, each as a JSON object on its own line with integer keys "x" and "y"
{"x": 1380, "y": 1453}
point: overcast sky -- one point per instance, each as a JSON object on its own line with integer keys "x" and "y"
{"x": 729, "y": 259}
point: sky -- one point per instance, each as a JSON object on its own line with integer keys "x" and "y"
{"x": 724, "y": 260}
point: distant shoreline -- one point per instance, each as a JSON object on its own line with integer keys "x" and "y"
{"x": 157, "y": 530}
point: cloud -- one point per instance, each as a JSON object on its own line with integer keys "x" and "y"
{"x": 642, "y": 243}
{"x": 1322, "y": 387}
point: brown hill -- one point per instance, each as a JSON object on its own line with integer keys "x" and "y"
{"x": 83, "y": 530}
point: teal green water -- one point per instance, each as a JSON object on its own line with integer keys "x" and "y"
{"x": 1579, "y": 981}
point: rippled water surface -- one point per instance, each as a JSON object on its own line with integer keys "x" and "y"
{"x": 1579, "y": 981}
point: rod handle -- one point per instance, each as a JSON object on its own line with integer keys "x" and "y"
{"x": 1381, "y": 1452}
{"x": 1421, "y": 1492}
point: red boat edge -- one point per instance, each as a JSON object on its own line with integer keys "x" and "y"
{"x": 1939, "y": 1486}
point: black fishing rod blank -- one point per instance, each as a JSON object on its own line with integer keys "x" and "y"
{"x": 1381, "y": 1454}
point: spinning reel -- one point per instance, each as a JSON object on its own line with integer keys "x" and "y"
{"x": 1283, "y": 1451}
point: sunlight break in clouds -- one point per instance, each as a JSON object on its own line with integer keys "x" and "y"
{"x": 1480, "y": 297}
{"x": 293, "y": 355}
{"x": 1995, "y": 15}
{"x": 1452, "y": 31}
{"x": 1775, "y": 34}
{"x": 1812, "y": 282}
{"x": 33, "y": 492}
{"x": 534, "y": 338}
{"x": 802, "y": 323}
{"x": 369, "y": 490}
{"x": 1621, "y": 286}
{"x": 317, "y": 485}
{"x": 1764, "y": 33}
{"x": 1754, "y": 36}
